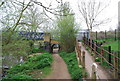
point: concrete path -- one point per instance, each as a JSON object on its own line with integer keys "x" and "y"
{"x": 101, "y": 73}
{"x": 59, "y": 68}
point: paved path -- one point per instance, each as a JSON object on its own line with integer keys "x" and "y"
{"x": 59, "y": 68}
{"x": 101, "y": 73}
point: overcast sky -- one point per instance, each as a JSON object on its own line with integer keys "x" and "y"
{"x": 110, "y": 12}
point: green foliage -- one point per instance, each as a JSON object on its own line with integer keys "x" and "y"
{"x": 36, "y": 62}
{"x": 31, "y": 44}
{"x": 71, "y": 61}
{"x": 87, "y": 48}
{"x": 37, "y": 50}
{"x": 18, "y": 76}
{"x": 5, "y": 35}
{"x": 66, "y": 32}
{"x": 92, "y": 54}
{"x": 97, "y": 59}
{"x": 16, "y": 48}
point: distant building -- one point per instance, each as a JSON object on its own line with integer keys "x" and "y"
{"x": 81, "y": 33}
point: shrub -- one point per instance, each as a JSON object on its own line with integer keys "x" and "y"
{"x": 97, "y": 59}
{"x": 16, "y": 48}
{"x": 92, "y": 54}
{"x": 71, "y": 61}
{"x": 20, "y": 71}
{"x": 37, "y": 50}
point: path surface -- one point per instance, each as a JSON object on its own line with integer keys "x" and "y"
{"x": 59, "y": 68}
{"x": 101, "y": 73}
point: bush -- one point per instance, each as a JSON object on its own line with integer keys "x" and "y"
{"x": 20, "y": 71}
{"x": 37, "y": 50}
{"x": 92, "y": 54}
{"x": 72, "y": 63}
{"x": 16, "y": 48}
{"x": 97, "y": 59}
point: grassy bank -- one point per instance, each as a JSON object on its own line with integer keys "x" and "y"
{"x": 35, "y": 67}
{"x": 72, "y": 64}
{"x": 114, "y": 45}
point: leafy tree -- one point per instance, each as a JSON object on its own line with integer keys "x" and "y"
{"x": 66, "y": 29}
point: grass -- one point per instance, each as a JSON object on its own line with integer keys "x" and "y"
{"x": 41, "y": 73}
{"x": 37, "y": 50}
{"x": 114, "y": 45}
{"x": 32, "y": 68}
{"x": 46, "y": 71}
{"x": 105, "y": 40}
{"x": 72, "y": 64}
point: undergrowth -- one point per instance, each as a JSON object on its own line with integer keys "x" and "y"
{"x": 40, "y": 62}
{"x": 72, "y": 64}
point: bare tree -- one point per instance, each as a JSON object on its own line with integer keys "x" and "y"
{"x": 33, "y": 19}
{"x": 24, "y": 7}
{"x": 90, "y": 11}
{"x": 1, "y": 4}
{"x": 15, "y": 13}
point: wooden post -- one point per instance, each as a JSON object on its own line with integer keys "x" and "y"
{"x": 109, "y": 49}
{"x": 95, "y": 49}
{"x": 105, "y": 34}
{"x": 93, "y": 77}
{"x": 115, "y": 66}
{"x": 92, "y": 45}
{"x": 80, "y": 57}
{"x": 102, "y": 55}
{"x": 96, "y": 35}
{"x": 89, "y": 42}
{"x": 115, "y": 34}
{"x": 84, "y": 41}
{"x": 83, "y": 63}
{"x": 78, "y": 50}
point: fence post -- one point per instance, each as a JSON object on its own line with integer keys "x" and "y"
{"x": 83, "y": 63}
{"x": 79, "y": 54}
{"x": 78, "y": 49}
{"x": 93, "y": 77}
{"x": 92, "y": 45}
{"x": 109, "y": 49}
{"x": 94, "y": 49}
{"x": 105, "y": 34}
{"x": 96, "y": 35}
{"x": 102, "y": 54}
{"x": 89, "y": 43}
{"x": 115, "y": 34}
{"x": 115, "y": 66}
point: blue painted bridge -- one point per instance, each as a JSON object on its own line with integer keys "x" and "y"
{"x": 31, "y": 35}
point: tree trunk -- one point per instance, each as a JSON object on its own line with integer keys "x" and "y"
{"x": 91, "y": 34}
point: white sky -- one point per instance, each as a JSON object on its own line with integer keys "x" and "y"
{"x": 110, "y": 12}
